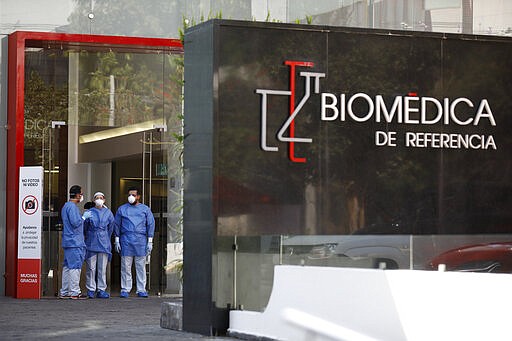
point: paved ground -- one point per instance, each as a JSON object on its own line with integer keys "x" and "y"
{"x": 113, "y": 319}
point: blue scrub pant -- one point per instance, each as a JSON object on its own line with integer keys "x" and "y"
{"x": 96, "y": 264}
{"x": 126, "y": 273}
{"x": 70, "y": 282}
{"x": 73, "y": 260}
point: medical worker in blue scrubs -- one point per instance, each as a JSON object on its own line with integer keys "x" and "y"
{"x": 73, "y": 244}
{"x": 134, "y": 230}
{"x": 98, "y": 227}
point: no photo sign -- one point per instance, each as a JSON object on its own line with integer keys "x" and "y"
{"x": 29, "y": 232}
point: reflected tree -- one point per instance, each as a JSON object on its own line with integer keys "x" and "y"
{"x": 141, "y": 93}
{"x": 44, "y": 102}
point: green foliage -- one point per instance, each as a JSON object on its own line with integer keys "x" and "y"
{"x": 176, "y": 265}
{"x": 308, "y": 20}
{"x": 179, "y": 137}
{"x": 269, "y": 18}
{"x": 185, "y": 24}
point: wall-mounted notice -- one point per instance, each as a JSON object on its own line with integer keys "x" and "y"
{"x": 29, "y": 232}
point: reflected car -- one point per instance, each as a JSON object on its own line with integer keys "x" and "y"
{"x": 389, "y": 251}
{"x": 489, "y": 257}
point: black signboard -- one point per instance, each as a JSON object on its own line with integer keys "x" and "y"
{"x": 392, "y": 133}
{"x": 312, "y": 130}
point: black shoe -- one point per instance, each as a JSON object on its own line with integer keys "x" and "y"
{"x": 78, "y": 297}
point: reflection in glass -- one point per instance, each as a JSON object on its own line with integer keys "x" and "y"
{"x": 164, "y": 18}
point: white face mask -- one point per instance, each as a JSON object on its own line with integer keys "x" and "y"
{"x": 81, "y": 198}
{"x": 99, "y": 202}
{"x": 131, "y": 199}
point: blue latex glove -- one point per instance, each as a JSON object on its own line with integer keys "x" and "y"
{"x": 86, "y": 215}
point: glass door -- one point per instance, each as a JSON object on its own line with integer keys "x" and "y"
{"x": 46, "y": 145}
{"x": 54, "y": 162}
{"x": 123, "y": 119}
{"x": 104, "y": 120}
{"x": 145, "y": 172}
{"x": 86, "y": 101}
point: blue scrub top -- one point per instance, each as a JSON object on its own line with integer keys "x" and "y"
{"x": 73, "y": 230}
{"x": 133, "y": 225}
{"x": 98, "y": 231}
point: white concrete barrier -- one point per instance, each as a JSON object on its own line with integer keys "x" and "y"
{"x": 318, "y": 303}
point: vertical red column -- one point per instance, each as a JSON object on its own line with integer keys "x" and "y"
{"x": 15, "y": 153}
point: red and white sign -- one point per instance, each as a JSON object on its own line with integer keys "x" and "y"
{"x": 408, "y": 110}
{"x": 29, "y": 232}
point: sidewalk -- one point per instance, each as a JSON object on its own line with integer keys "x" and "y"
{"x": 113, "y": 319}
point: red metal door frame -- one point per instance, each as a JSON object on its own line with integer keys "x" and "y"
{"x": 17, "y": 42}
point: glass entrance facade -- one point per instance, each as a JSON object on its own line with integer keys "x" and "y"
{"x": 106, "y": 117}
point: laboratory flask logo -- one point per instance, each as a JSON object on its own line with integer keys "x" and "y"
{"x": 311, "y": 84}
